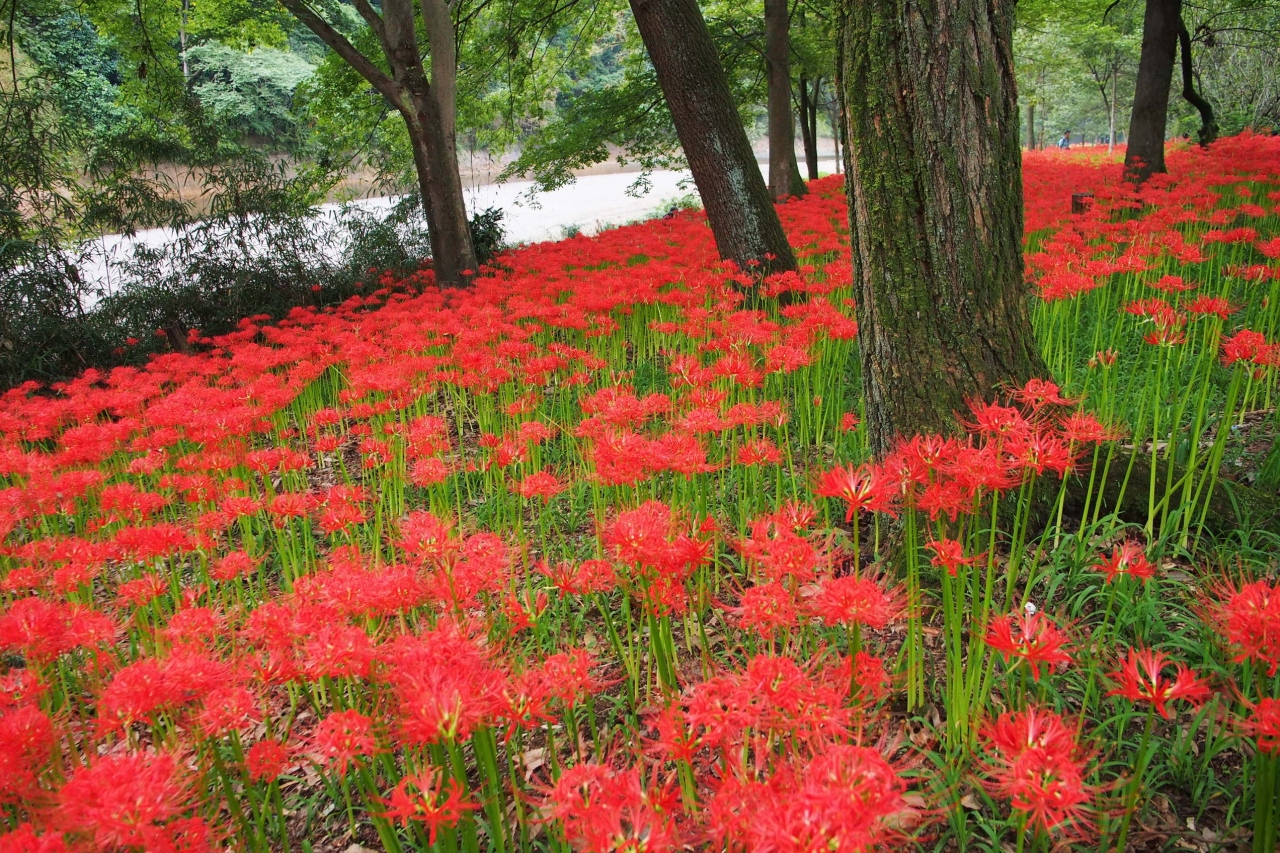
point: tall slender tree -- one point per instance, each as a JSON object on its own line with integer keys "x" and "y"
{"x": 1164, "y": 35}
{"x": 935, "y": 205}
{"x": 427, "y": 105}
{"x": 741, "y": 213}
{"x": 784, "y": 173}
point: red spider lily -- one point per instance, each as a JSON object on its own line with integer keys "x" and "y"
{"x": 428, "y": 472}
{"x": 779, "y": 552}
{"x": 855, "y": 601}
{"x": 227, "y": 709}
{"x": 649, "y": 539}
{"x": 26, "y": 738}
{"x": 1141, "y": 678}
{"x": 1169, "y": 323}
{"x": 765, "y": 609}
{"x": 151, "y": 685}
{"x": 337, "y": 651}
{"x": 568, "y": 676}
{"x": 861, "y": 488}
{"x": 945, "y": 496}
{"x": 429, "y": 799}
{"x": 343, "y": 737}
{"x": 1246, "y": 345}
{"x": 266, "y": 760}
{"x": 125, "y": 800}
{"x": 760, "y": 451}
{"x": 1263, "y": 724}
{"x": 1128, "y": 559}
{"x": 949, "y": 554}
{"x": 1029, "y": 636}
{"x": 43, "y": 630}
{"x": 1039, "y": 451}
{"x": 996, "y": 421}
{"x": 428, "y": 539}
{"x": 585, "y": 578}
{"x": 1250, "y": 619}
{"x": 1103, "y": 358}
{"x": 541, "y": 484}
{"x": 603, "y": 810}
{"x": 24, "y": 839}
{"x": 1172, "y": 284}
{"x": 846, "y": 798}
{"x": 1033, "y": 760}
{"x": 1085, "y": 428}
{"x": 233, "y": 565}
{"x": 1039, "y": 393}
{"x": 771, "y": 696}
{"x": 868, "y": 674}
{"x": 1214, "y": 305}
{"x": 445, "y": 685}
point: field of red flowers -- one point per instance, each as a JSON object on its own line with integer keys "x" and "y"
{"x": 591, "y": 557}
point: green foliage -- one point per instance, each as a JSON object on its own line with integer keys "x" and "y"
{"x": 250, "y": 95}
{"x": 83, "y": 70}
{"x": 616, "y": 109}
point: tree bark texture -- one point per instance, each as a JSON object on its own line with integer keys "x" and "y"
{"x": 428, "y": 108}
{"x": 1145, "y": 155}
{"x": 784, "y": 173}
{"x": 935, "y": 207}
{"x": 741, "y": 213}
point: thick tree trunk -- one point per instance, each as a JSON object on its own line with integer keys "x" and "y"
{"x": 809, "y": 124}
{"x": 1145, "y": 155}
{"x": 784, "y": 173}
{"x": 741, "y": 213}
{"x": 935, "y": 206}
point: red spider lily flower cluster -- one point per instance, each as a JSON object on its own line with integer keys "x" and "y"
{"x": 1029, "y": 636}
{"x": 394, "y": 552}
{"x": 1142, "y": 678}
{"x": 1034, "y": 761}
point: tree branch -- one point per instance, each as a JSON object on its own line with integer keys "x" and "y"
{"x": 1208, "y": 125}
{"x": 338, "y": 43}
{"x": 373, "y": 19}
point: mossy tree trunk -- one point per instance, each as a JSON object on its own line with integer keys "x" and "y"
{"x": 741, "y": 213}
{"x": 935, "y": 205}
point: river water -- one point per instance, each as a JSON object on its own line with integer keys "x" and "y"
{"x": 589, "y": 205}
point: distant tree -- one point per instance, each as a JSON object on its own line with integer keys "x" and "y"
{"x": 739, "y": 208}
{"x": 784, "y": 174}
{"x": 1164, "y": 36}
{"x": 410, "y": 36}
